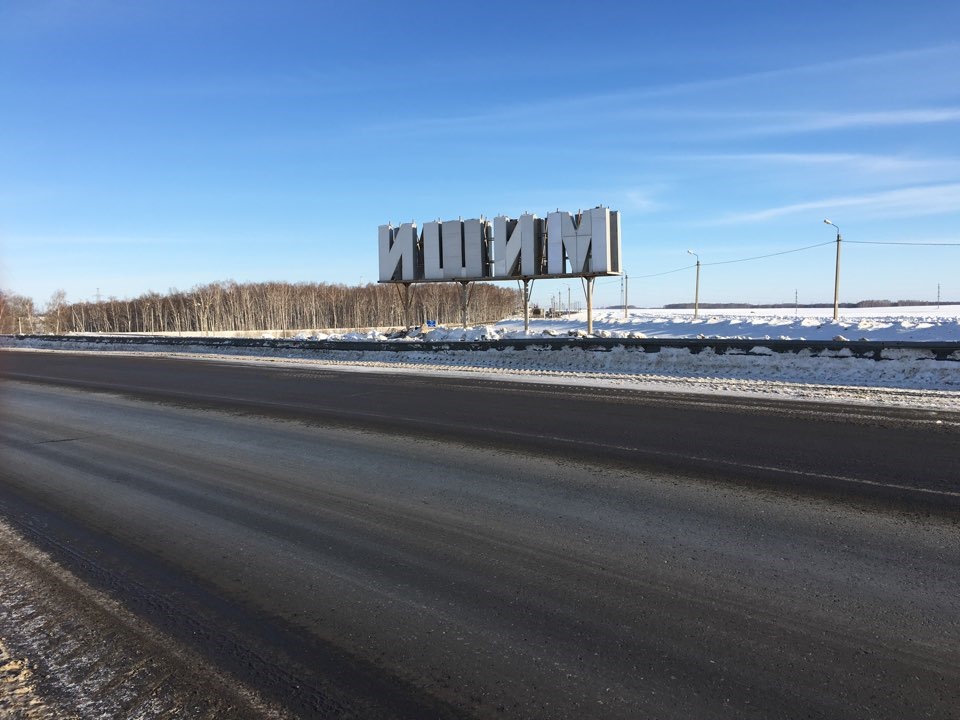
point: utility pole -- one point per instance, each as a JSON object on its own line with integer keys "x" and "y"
{"x": 938, "y": 296}
{"x": 836, "y": 277}
{"x": 696, "y": 293}
{"x": 626, "y": 295}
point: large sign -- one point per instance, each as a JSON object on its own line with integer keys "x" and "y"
{"x": 564, "y": 245}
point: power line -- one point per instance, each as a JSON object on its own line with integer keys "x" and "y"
{"x": 783, "y": 252}
{"x": 760, "y": 257}
{"x": 668, "y": 272}
{"x": 728, "y": 262}
{"x": 878, "y": 242}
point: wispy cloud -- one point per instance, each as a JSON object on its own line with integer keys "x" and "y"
{"x": 687, "y": 103}
{"x": 938, "y": 53}
{"x": 860, "y": 162}
{"x": 903, "y": 202}
{"x": 44, "y": 243}
{"x": 819, "y": 121}
{"x": 694, "y": 123}
{"x": 639, "y": 200}
{"x": 43, "y": 17}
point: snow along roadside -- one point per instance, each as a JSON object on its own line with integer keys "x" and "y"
{"x": 904, "y": 378}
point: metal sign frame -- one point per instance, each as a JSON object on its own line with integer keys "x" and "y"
{"x": 561, "y": 246}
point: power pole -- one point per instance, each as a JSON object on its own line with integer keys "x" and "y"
{"x": 836, "y": 282}
{"x": 938, "y": 296}
{"x": 696, "y": 292}
{"x": 836, "y": 277}
{"x": 626, "y": 295}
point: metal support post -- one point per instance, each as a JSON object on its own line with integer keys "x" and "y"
{"x": 589, "y": 289}
{"x": 626, "y": 295}
{"x": 836, "y": 282}
{"x": 527, "y": 283}
{"x": 404, "y": 290}
{"x": 464, "y": 299}
{"x": 836, "y": 277}
{"x": 696, "y": 293}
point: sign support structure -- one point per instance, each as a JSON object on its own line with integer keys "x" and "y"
{"x": 527, "y": 289}
{"x": 464, "y": 300}
{"x": 404, "y": 290}
{"x": 589, "y": 291}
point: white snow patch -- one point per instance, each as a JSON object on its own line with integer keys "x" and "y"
{"x": 911, "y": 377}
{"x": 920, "y": 324}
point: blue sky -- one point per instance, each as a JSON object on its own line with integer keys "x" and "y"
{"x": 158, "y": 144}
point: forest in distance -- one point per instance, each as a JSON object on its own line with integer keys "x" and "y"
{"x": 230, "y": 306}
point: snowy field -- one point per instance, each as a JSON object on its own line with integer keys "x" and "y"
{"x": 923, "y": 324}
{"x": 902, "y": 377}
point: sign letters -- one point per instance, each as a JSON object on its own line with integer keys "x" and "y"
{"x": 584, "y": 244}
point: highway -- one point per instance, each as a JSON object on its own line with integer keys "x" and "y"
{"x": 375, "y": 545}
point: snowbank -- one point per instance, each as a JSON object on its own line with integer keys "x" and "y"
{"x": 910, "y": 377}
{"x": 925, "y": 324}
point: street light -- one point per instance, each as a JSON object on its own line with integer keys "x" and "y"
{"x": 696, "y": 294}
{"x": 836, "y": 277}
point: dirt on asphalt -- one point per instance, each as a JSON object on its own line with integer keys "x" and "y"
{"x": 68, "y": 651}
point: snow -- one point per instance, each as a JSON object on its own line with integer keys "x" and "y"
{"x": 906, "y": 324}
{"x": 921, "y": 324}
{"x": 903, "y": 377}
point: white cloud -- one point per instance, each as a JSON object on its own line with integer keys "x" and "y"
{"x": 704, "y": 101}
{"x": 845, "y": 161}
{"x": 813, "y": 122}
{"x": 639, "y": 201}
{"x": 903, "y": 202}
{"x": 49, "y": 242}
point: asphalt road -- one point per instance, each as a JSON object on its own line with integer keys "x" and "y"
{"x": 386, "y": 546}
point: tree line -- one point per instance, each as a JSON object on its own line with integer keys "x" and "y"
{"x": 236, "y": 307}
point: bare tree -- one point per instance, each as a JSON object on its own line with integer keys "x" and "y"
{"x": 230, "y": 306}
{"x": 54, "y": 311}
{"x": 17, "y": 314}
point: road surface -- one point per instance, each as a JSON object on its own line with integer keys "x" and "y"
{"x": 369, "y": 545}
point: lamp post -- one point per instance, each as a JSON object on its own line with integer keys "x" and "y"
{"x": 696, "y": 294}
{"x": 836, "y": 277}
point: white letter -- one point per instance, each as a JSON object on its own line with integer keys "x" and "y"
{"x": 475, "y": 234}
{"x": 398, "y": 252}
{"x": 518, "y": 246}
{"x": 590, "y": 241}
{"x": 451, "y": 238}
{"x": 432, "y": 252}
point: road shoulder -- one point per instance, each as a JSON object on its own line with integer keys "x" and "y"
{"x": 69, "y": 651}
